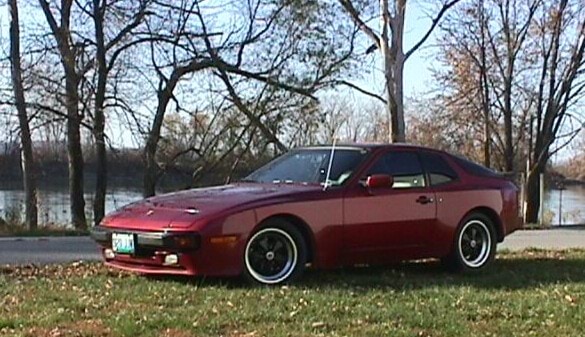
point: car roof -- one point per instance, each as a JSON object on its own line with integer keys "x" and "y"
{"x": 370, "y": 146}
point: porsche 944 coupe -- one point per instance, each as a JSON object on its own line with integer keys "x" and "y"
{"x": 323, "y": 207}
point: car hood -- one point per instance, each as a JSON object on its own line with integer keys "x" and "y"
{"x": 183, "y": 209}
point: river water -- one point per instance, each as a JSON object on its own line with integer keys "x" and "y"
{"x": 54, "y": 204}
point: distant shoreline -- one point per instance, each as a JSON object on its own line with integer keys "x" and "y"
{"x": 573, "y": 182}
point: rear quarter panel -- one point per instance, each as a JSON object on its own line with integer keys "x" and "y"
{"x": 453, "y": 205}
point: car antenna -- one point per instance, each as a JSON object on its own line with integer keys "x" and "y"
{"x": 329, "y": 166}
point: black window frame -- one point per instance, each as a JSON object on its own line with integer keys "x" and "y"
{"x": 428, "y": 173}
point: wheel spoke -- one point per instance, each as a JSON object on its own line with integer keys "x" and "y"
{"x": 466, "y": 237}
{"x": 280, "y": 257}
{"x": 256, "y": 256}
{"x": 466, "y": 250}
{"x": 278, "y": 245}
{"x": 264, "y": 244}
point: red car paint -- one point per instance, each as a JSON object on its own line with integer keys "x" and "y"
{"x": 344, "y": 225}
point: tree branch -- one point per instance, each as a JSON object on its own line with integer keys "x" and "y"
{"x": 434, "y": 24}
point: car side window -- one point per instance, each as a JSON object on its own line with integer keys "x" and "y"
{"x": 439, "y": 170}
{"x": 403, "y": 166}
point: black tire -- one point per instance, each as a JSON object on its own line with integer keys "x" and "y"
{"x": 474, "y": 245}
{"x": 275, "y": 254}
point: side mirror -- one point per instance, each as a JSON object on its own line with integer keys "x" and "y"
{"x": 379, "y": 180}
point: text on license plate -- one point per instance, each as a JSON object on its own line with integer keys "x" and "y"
{"x": 123, "y": 243}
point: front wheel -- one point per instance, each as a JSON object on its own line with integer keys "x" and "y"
{"x": 275, "y": 254}
{"x": 474, "y": 244}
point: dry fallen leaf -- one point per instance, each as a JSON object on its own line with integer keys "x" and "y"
{"x": 318, "y": 324}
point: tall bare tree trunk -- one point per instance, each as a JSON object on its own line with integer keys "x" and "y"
{"x": 390, "y": 44}
{"x": 28, "y": 165}
{"x": 151, "y": 169}
{"x": 62, "y": 35}
{"x": 397, "y": 52}
{"x": 484, "y": 88}
{"x": 533, "y": 193}
{"x": 74, "y": 151}
{"x": 508, "y": 136}
{"x": 99, "y": 117}
{"x": 393, "y": 58}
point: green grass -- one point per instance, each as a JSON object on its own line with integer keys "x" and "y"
{"x": 9, "y": 229}
{"x": 44, "y": 232}
{"x": 532, "y": 293}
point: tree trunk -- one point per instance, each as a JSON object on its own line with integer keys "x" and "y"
{"x": 508, "y": 137}
{"x": 99, "y": 118}
{"x": 484, "y": 88}
{"x": 399, "y": 128}
{"x": 393, "y": 57}
{"x": 74, "y": 152}
{"x": 62, "y": 36}
{"x": 533, "y": 194}
{"x": 151, "y": 170}
{"x": 27, "y": 158}
{"x": 398, "y": 132}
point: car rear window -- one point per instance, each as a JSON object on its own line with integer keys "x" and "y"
{"x": 439, "y": 171}
{"x": 476, "y": 169}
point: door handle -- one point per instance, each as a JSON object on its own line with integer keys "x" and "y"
{"x": 423, "y": 199}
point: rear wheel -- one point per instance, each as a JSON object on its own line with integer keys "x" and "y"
{"x": 275, "y": 254}
{"x": 474, "y": 246}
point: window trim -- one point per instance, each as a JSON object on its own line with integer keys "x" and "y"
{"x": 428, "y": 173}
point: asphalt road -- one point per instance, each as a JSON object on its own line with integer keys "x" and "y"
{"x": 562, "y": 238}
{"x": 47, "y": 250}
{"x": 68, "y": 249}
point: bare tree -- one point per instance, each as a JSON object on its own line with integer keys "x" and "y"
{"x": 107, "y": 53}
{"x": 244, "y": 61}
{"x": 562, "y": 63}
{"x": 529, "y": 57}
{"x": 61, "y": 32}
{"x": 515, "y": 28}
{"x": 390, "y": 44}
{"x": 28, "y": 164}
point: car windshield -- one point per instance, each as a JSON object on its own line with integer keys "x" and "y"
{"x": 309, "y": 166}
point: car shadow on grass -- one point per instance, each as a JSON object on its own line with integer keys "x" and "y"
{"x": 510, "y": 272}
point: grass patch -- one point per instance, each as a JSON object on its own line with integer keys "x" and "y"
{"x": 11, "y": 229}
{"x": 530, "y": 293}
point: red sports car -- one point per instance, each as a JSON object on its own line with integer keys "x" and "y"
{"x": 324, "y": 206}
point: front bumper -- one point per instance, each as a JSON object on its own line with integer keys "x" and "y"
{"x": 151, "y": 251}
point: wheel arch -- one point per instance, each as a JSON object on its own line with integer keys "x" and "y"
{"x": 490, "y": 214}
{"x": 299, "y": 224}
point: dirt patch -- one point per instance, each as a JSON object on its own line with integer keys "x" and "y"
{"x": 60, "y": 271}
{"x": 89, "y": 328}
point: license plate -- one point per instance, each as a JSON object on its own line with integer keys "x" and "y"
{"x": 123, "y": 243}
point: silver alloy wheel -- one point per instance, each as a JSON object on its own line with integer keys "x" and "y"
{"x": 474, "y": 244}
{"x": 271, "y": 256}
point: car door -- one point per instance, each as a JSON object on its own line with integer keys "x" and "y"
{"x": 446, "y": 185}
{"x": 392, "y": 222}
